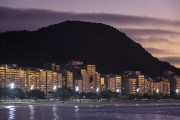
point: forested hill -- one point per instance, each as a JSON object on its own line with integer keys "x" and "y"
{"x": 94, "y": 43}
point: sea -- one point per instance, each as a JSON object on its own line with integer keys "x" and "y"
{"x": 91, "y": 112}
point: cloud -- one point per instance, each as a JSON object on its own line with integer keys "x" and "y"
{"x": 152, "y": 40}
{"x": 151, "y": 35}
{"x": 32, "y": 19}
{"x": 147, "y": 32}
{"x": 159, "y": 51}
{"x": 173, "y": 59}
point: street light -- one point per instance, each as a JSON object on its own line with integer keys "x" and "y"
{"x": 177, "y": 91}
{"x": 12, "y": 86}
{"x": 157, "y": 91}
{"x": 117, "y": 90}
{"x": 137, "y": 90}
{"x": 32, "y": 87}
{"x": 97, "y": 90}
{"x": 54, "y": 88}
{"x": 77, "y": 89}
{"x": 137, "y": 93}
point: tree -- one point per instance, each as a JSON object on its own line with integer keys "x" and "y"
{"x": 11, "y": 93}
{"x": 36, "y": 94}
{"x": 107, "y": 94}
{"x": 64, "y": 93}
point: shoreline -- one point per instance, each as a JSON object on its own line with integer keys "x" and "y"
{"x": 91, "y": 103}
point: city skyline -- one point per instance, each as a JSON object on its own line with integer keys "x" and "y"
{"x": 154, "y": 24}
{"x": 86, "y": 80}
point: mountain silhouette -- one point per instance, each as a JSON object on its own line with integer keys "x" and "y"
{"x": 94, "y": 43}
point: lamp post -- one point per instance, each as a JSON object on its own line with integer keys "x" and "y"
{"x": 177, "y": 91}
{"x": 117, "y": 91}
{"x": 97, "y": 90}
{"x": 54, "y": 88}
{"x": 137, "y": 91}
{"x": 77, "y": 89}
{"x": 31, "y": 90}
{"x": 157, "y": 91}
{"x": 12, "y": 85}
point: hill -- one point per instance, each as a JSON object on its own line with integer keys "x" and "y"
{"x": 94, "y": 43}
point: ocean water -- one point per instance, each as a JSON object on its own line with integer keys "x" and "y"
{"x": 92, "y": 112}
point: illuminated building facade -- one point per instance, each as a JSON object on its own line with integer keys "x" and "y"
{"x": 175, "y": 85}
{"x": 27, "y": 79}
{"x": 133, "y": 83}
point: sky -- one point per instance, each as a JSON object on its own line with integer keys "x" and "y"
{"x": 155, "y": 24}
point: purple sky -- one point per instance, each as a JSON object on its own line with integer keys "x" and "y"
{"x": 154, "y": 23}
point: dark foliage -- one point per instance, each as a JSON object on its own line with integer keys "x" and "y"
{"x": 6, "y": 93}
{"x": 35, "y": 94}
{"x": 93, "y": 43}
{"x": 64, "y": 93}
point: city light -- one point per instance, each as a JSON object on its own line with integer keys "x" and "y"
{"x": 12, "y": 85}
{"x": 157, "y": 91}
{"x": 97, "y": 90}
{"x": 32, "y": 87}
{"x": 77, "y": 88}
{"x": 137, "y": 89}
{"x": 117, "y": 90}
{"x": 177, "y": 90}
{"x": 55, "y": 87}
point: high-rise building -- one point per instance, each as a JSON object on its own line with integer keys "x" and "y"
{"x": 112, "y": 83}
{"x": 166, "y": 87}
{"x": 118, "y": 83}
{"x": 85, "y": 80}
{"x": 70, "y": 80}
{"x": 133, "y": 82}
{"x": 28, "y": 79}
{"x": 175, "y": 85}
{"x": 148, "y": 85}
{"x": 3, "y": 70}
{"x": 91, "y": 81}
{"x": 103, "y": 85}
{"x": 79, "y": 86}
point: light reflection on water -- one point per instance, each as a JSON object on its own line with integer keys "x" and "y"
{"x": 12, "y": 111}
{"x": 91, "y": 112}
{"x": 76, "y": 112}
{"x": 32, "y": 112}
{"x": 54, "y": 110}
